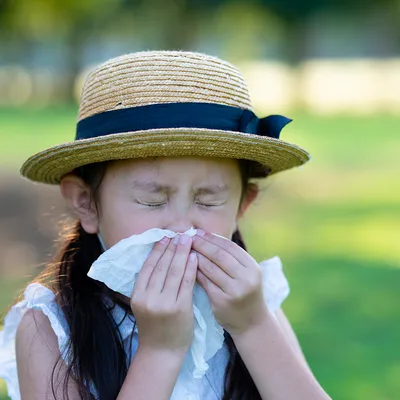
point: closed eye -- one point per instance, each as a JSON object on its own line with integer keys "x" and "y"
{"x": 152, "y": 205}
{"x": 155, "y": 205}
{"x": 209, "y": 205}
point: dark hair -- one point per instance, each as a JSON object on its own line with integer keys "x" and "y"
{"x": 96, "y": 352}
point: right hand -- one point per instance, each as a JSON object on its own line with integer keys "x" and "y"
{"x": 162, "y": 298}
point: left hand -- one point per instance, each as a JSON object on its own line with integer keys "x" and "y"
{"x": 232, "y": 280}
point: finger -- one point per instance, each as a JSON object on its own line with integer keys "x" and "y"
{"x": 208, "y": 285}
{"x": 232, "y": 248}
{"x": 160, "y": 270}
{"x": 178, "y": 264}
{"x": 189, "y": 279}
{"x": 218, "y": 255}
{"x": 156, "y": 253}
{"x": 215, "y": 274}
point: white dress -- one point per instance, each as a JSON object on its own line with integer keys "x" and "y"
{"x": 210, "y": 386}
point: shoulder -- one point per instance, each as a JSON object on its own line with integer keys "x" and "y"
{"x": 38, "y": 309}
{"x": 33, "y": 323}
{"x": 34, "y": 332}
{"x": 36, "y": 343}
{"x": 38, "y": 357}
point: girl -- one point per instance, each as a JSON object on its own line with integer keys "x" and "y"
{"x": 165, "y": 139}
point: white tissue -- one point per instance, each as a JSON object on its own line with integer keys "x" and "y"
{"x": 118, "y": 268}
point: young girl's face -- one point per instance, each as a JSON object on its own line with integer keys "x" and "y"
{"x": 174, "y": 193}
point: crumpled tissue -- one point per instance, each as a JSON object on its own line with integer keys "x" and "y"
{"x": 118, "y": 268}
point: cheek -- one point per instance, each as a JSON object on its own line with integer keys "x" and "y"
{"x": 222, "y": 223}
{"x": 119, "y": 220}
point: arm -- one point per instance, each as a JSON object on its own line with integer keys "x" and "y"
{"x": 151, "y": 375}
{"x": 275, "y": 366}
{"x": 37, "y": 352}
{"x": 291, "y": 336}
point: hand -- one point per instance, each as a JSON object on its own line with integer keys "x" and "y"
{"x": 232, "y": 280}
{"x": 162, "y": 298}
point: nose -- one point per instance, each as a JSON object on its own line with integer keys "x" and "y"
{"x": 180, "y": 221}
{"x": 179, "y": 226}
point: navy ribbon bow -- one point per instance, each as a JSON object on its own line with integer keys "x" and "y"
{"x": 180, "y": 115}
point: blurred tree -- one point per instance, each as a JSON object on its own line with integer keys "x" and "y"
{"x": 243, "y": 27}
{"x": 171, "y": 25}
{"x": 71, "y": 21}
{"x": 177, "y": 23}
{"x": 4, "y": 18}
{"x": 295, "y": 15}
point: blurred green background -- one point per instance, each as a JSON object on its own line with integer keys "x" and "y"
{"x": 332, "y": 66}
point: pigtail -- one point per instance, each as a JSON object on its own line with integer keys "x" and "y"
{"x": 95, "y": 352}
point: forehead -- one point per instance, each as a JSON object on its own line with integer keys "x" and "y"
{"x": 169, "y": 169}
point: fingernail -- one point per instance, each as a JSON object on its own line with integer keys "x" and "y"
{"x": 175, "y": 240}
{"x": 164, "y": 240}
{"x": 184, "y": 239}
{"x": 200, "y": 232}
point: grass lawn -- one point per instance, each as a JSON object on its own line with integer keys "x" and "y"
{"x": 335, "y": 225}
{"x": 3, "y": 391}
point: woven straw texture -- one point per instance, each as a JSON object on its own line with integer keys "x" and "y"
{"x": 154, "y": 77}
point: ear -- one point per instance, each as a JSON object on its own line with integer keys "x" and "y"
{"x": 248, "y": 198}
{"x": 78, "y": 196}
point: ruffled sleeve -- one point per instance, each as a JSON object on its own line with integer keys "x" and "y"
{"x": 275, "y": 285}
{"x": 39, "y": 297}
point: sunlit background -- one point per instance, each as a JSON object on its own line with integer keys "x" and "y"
{"x": 331, "y": 65}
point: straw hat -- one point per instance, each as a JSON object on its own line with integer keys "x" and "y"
{"x": 166, "y": 103}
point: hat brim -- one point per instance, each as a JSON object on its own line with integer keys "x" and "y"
{"x": 50, "y": 165}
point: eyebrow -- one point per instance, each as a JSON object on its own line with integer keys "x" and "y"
{"x": 213, "y": 189}
{"x": 154, "y": 187}
{"x": 151, "y": 186}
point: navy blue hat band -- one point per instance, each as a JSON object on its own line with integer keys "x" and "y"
{"x": 180, "y": 115}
